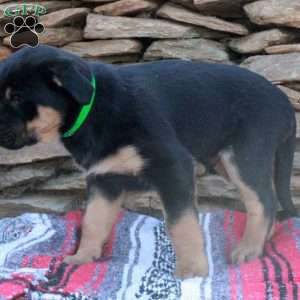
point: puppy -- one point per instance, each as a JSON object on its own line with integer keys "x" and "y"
{"x": 145, "y": 125}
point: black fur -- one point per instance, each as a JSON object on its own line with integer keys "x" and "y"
{"x": 172, "y": 111}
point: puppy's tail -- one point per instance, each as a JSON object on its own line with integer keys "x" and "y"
{"x": 282, "y": 177}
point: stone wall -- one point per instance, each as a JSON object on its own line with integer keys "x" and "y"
{"x": 263, "y": 36}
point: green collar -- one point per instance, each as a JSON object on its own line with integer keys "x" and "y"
{"x": 84, "y": 112}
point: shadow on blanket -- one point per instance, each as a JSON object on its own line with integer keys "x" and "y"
{"x": 138, "y": 261}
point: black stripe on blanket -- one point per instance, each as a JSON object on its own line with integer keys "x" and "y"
{"x": 56, "y": 279}
{"x": 289, "y": 269}
{"x": 278, "y": 277}
{"x": 268, "y": 284}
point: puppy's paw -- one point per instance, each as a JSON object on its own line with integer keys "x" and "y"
{"x": 192, "y": 267}
{"x": 245, "y": 252}
{"x": 82, "y": 258}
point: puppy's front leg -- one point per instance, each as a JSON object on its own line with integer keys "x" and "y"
{"x": 102, "y": 209}
{"x": 173, "y": 177}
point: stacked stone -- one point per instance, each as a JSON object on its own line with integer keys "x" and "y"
{"x": 263, "y": 36}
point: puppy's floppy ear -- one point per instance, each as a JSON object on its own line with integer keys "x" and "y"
{"x": 74, "y": 77}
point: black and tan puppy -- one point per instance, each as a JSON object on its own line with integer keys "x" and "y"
{"x": 145, "y": 125}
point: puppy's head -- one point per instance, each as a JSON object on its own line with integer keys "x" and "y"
{"x": 41, "y": 92}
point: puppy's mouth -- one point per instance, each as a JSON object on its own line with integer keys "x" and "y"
{"x": 11, "y": 140}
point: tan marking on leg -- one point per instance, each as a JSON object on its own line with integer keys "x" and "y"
{"x": 187, "y": 240}
{"x": 96, "y": 226}
{"x": 46, "y": 124}
{"x": 126, "y": 161}
{"x": 257, "y": 226}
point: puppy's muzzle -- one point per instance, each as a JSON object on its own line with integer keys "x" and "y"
{"x": 14, "y": 136}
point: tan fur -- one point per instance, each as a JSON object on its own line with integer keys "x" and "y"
{"x": 220, "y": 169}
{"x": 256, "y": 231}
{"x": 46, "y": 124}
{"x": 187, "y": 240}
{"x": 125, "y": 161}
{"x": 97, "y": 223}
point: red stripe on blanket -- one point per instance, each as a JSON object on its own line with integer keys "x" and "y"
{"x": 73, "y": 222}
{"x": 78, "y": 279}
{"x": 242, "y": 276}
{"x": 13, "y": 289}
{"x": 281, "y": 258}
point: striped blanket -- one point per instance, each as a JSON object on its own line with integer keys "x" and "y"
{"x": 138, "y": 261}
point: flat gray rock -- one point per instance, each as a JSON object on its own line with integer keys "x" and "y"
{"x": 64, "y": 16}
{"x": 64, "y": 182}
{"x": 60, "y": 36}
{"x": 194, "y": 49}
{"x": 107, "y": 27}
{"x": 258, "y": 41}
{"x": 280, "y": 12}
{"x": 281, "y": 49}
{"x": 39, "y": 152}
{"x": 280, "y": 68}
{"x": 39, "y": 203}
{"x": 104, "y": 48}
{"x": 25, "y": 174}
{"x": 126, "y": 7}
{"x": 178, "y": 13}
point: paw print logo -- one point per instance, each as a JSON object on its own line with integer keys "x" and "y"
{"x": 24, "y": 31}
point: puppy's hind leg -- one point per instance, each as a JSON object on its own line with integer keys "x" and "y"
{"x": 252, "y": 174}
